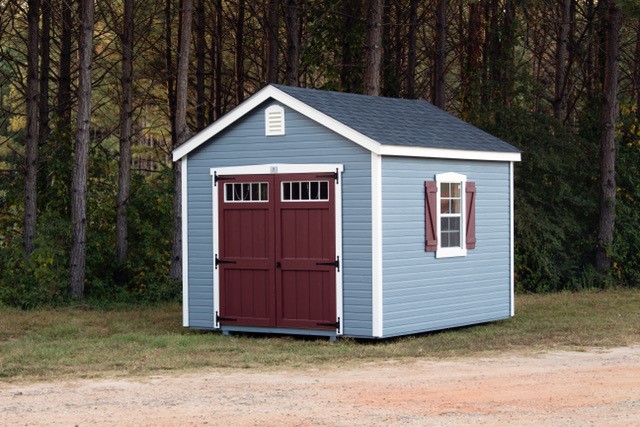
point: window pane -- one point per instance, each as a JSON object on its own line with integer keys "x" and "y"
{"x": 228, "y": 192}
{"x": 305, "y": 191}
{"x": 295, "y": 190}
{"x": 444, "y": 189}
{"x": 455, "y": 189}
{"x": 455, "y": 206}
{"x": 264, "y": 191}
{"x": 315, "y": 190}
{"x": 255, "y": 191}
{"x": 445, "y": 240}
{"x": 286, "y": 191}
{"x": 454, "y": 224}
{"x": 444, "y": 224}
{"x": 324, "y": 190}
{"x": 444, "y": 206}
{"x": 246, "y": 192}
{"x": 237, "y": 192}
{"x": 454, "y": 239}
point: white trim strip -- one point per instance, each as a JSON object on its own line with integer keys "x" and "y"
{"x": 376, "y": 245}
{"x": 273, "y": 168}
{"x": 338, "y": 222}
{"x": 185, "y": 242}
{"x": 512, "y": 239}
{"x": 216, "y": 246}
{"x": 445, "y": 153}
{"x": 370, "y": 144}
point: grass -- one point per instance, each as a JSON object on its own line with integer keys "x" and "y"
{"x": 79, "y": 343}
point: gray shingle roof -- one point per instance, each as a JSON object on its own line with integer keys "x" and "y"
{"x": 406, "y": 122}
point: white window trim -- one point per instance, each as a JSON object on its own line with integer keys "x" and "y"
{"x": 279, "y": 169}
{"x": 283, "y": 200}
{"x": 462, "y": 250}
{"x": 268, "y": 130}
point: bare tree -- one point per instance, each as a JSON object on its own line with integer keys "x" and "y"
{"x": 293, "y": 42}
{"x": 45, "y": 63}
{"x": 124, "y": 162}
{"x": 216, "y": 68}
{"x": 239, "y": 59}
{"x": 31, "y": 143}
{"x": 182, "y": 133}
{"x": 438, "y": 95}
{"x": 373, "y": 47}
{"x": 201, "y": 46}
{"x": 607, "y": 139}
{"x": 81, "y": 160}
{"x": 560, "y": 101}
{"x": 273, "y": 18}
{"x": 63, "y": 108}
{"x": 411, "y": 53}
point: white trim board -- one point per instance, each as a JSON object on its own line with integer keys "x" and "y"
{"x": 269, "y": 169}
{"x": 185, "y": 242}
{"x": 512, "y": 239}
{"x": 271, "y": 92}
{"x": 376, "y": 246}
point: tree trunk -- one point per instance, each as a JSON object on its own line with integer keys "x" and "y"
{"x": 183, "y": 133}
{"x": 348, "y": 79}
{"x": 636, "y": 71}
{"x": 293, "y": 42}
{"x": 373, "y": 48}
{"x": 439, "y": 62}
{"x": 45, "y": 64}
{"x": 216, "y": 60}
{"x": 272, "y": 41}
{"x": 239, "y": 60}
{"x": 31, "y": 143}
{"x": 81, "y": 161}
{"x": 473, "y": 62}
{"x": 411, "y": 54}
{"x": 124, "y": 165}
{"x": 560, "y": 101}
{"x": 200, "y": 63}
{"x": 170, "y": 81}
{"x": 607, "y": 140}
{"x": 63, "y": 107}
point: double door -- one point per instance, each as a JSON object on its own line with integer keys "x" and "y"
{"x": 277, "y": 250}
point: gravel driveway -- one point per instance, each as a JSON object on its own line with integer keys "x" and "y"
{"x": 599, "y": 387}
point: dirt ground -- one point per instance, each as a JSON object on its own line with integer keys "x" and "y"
{"x": 599, "y": 387}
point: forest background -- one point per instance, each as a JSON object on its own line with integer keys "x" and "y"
{"x": 95, "y": 94}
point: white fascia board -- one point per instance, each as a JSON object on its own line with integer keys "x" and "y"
{"x": 445, "y": 153}
{"x": 185, "y": 242}
{"x": 284, "y": 98}
{"x": 216, "y": 246}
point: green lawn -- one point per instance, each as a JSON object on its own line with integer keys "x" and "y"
{"x": 77, "y": 343}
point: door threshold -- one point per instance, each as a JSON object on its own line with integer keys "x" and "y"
{"x": 230, "y": 329}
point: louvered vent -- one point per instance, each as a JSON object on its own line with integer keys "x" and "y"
{"x": 274, "y": 120}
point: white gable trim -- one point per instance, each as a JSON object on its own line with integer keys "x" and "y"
{"x": 340, "y": 128}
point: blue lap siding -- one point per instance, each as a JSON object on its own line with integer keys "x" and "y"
{"x": 422, "y": 293}
{"x": 305, "y": 141}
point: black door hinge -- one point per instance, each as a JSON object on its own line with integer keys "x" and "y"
{"x": 334, "y": 175}
{"x": 224, "y": 319}
{"x": 335, "y": 263}
{"x": 217, "y": 178}
{"x": 222, "y": 261}
{"x": 334, "y": 324}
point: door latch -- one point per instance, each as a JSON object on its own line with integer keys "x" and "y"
{"x": 335, "y": 263}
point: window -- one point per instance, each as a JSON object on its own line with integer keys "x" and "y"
{"x": 246, "y": 192}
{"x": 309, "y": 191}
{"x": 450, "y": 215}
{"x": 274, "y": 120}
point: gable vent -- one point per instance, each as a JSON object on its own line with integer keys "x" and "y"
{"x": 274, "y": 120}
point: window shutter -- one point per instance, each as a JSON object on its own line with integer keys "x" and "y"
{"x": 431, "y": 237}
{"x": 470, "y": 190}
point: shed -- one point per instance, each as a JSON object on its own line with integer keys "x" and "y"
{"x": 333, "y": 214}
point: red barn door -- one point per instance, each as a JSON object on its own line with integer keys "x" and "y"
{"x": 277, "y": 247}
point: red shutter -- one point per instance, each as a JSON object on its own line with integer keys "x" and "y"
{"x": 471, "y": 215}
{"x": 430, "y": 188}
